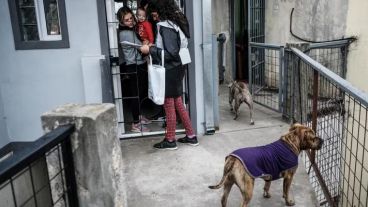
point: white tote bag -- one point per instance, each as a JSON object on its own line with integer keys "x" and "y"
{"x": 156, "y": 81}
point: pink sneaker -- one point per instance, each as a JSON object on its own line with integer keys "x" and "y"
{"x": 139, "y": 128}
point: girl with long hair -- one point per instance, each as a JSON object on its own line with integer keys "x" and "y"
{"x": 172, "y": 24}
{"x": 133, "y": 70}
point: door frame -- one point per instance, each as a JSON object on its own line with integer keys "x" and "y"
{"x": 110, "y": 61}
{"x": 233, "y": 36}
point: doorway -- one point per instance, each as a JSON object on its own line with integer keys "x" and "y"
{"x": 240, "y": 36}
{"x": 248, "y": 25}
{"x": 126, "y": 82}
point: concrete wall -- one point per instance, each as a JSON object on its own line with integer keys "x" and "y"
{"x": 357, "y": 74}
{"x": 221, "y": 23}
{"x": 315, "y": 19}
{"x": 194, "y": 15}
{"x": 35, "y": 81}
{"x": 4, "y": 138}
{"x": 96, "y": 151}
{"x": 357, "y": 26}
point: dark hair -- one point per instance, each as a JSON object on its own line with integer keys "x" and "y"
{"x": 124, "y": 11}
{"x": 142, "y": 8}
{"x": 169, "y": 10}
{"x": 144, "y": 3}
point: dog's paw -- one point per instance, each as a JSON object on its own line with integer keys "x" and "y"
{"x": 290, "y": 202}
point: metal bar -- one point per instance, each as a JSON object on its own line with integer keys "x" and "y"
{"x": 333, "y": 44}
{"x": 281, "y": 79}
{"x": 343, "y": 84}
{"x": 215, "y": 83}
{"x": 13, "y": 191}
{"x": 249, "y": 47}
{"x": 315, "y": 100}
{"x": 264, "y": 45}
{"x": 37, "y": 149}
{"x": 321, "y": 182}
{"x": 67, "y": 154}
{"x": 61, "y": 172}
{"x": 33, "y": 185}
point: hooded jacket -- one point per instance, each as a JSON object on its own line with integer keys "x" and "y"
{"x": 174, "y": 69}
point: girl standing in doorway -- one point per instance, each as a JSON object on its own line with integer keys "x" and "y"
{"x": 171, "y": 22}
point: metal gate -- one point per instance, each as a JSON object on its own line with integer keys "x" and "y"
{"x": 265, "y": 72}
{"x": 122, "y": 81}
{"x": 265, "y": 61}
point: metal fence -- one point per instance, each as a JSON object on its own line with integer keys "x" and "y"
{"x": 332, "y": 55}
{"x": 265, "y": 72}
{"x": 338, "y": 113}
{"x": 39, "y": 173}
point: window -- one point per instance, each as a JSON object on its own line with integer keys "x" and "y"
{"x": 39, "y": 24}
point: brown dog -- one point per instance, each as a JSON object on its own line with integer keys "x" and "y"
{"x": 239, "y": 92}
{"x": 238, "y": 169}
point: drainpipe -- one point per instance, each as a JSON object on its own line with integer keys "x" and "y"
{"x": 208, "y": 64}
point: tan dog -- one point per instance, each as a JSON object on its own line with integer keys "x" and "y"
{"x": 297, "y": 139}
{"x": 239, "y": 92}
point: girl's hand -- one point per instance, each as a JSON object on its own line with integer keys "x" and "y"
{"x": 146, "y": 42}
{"x": 144, "y": 49}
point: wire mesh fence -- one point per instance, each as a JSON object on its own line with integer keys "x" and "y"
{"x": 265, "y": 74}
{"x": 338, "y": 113}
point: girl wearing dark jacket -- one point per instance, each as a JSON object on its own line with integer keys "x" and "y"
{"x": 168, "y": 39}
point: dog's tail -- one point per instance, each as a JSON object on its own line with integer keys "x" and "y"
{"x": 228, "y": 166}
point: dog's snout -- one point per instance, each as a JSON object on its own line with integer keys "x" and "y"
{"x": 320, "y": 143}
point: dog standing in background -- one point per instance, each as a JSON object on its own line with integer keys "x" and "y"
{"x": 239, "y": 92}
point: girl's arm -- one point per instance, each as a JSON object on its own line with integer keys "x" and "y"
{"x": 171, "y": 47}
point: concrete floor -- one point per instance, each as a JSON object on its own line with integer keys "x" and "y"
{"x": 180, "y": 178}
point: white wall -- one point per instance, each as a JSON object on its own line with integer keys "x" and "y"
{"x": 4, "y": 138}
{"x": 317, "y": 20}
{"x": 196, "y": 67}
{"x": 35, "y": 81}
{"x": 357, "y": 26}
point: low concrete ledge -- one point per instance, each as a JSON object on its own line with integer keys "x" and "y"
{"x": 96, "y": 152}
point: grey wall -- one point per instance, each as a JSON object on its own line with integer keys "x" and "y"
{"x": 221, "y": 24}
{"x": 4, "y": 138}
{"x": 315, "y": 19}
{"x": 35, "y": 81}
{"x": 195, "y": 72}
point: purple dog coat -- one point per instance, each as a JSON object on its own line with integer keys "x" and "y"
{"x": 268, "y": 160}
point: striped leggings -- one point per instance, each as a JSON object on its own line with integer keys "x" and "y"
{"x": 170, "y": 105}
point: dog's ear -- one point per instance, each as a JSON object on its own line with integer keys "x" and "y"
{"x": 232, "y": 82}
{"x": 299, "y": 130}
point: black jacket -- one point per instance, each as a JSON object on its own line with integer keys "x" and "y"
{"x": 174, "y": 69}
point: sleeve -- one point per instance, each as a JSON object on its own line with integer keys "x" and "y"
{"x": 149, "y": 31}
{"x": 171, "y": 47}
{"x": 120, "y": 49}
